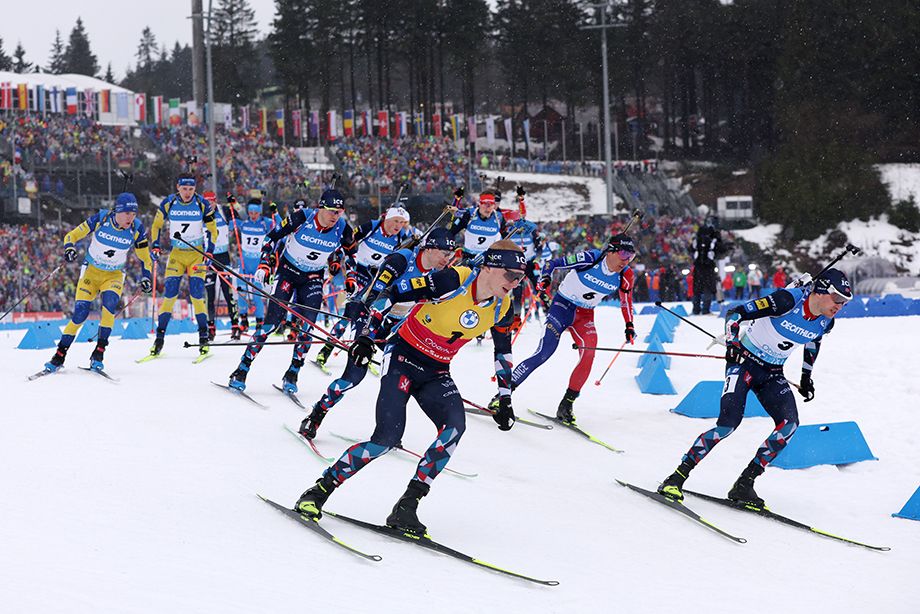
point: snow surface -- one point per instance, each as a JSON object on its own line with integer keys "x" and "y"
{"x": 902, "y": 180}
{"x": 140, "y": 496}
{"x": 553, "y": 198}
{"x": 764, "y": 235}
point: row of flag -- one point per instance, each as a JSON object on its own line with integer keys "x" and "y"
{"x": 126, "y": 107}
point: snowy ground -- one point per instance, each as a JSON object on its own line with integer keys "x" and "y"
{"x": 553, "y": 198}
{"x": 902, "y": 180}
{"x": 140, "y": 496}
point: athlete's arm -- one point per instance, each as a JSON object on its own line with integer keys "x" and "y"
{"x": 627, "y": 282}
{"x": 772, "y": 305}
{"x": 501, "y": 339}
{"x": 86, "y": 227}
{"x": 142, "y": 247}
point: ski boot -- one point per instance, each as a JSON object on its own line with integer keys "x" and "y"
{"x": 311, "y": 423}
{"x": 212, "y": 330}
{"x": 293, "y": 331}
{"x": 258, "y": 325}
{"x": 324, "y": 354}
{"x": 203, "y": 348}
{"x": 244, "y": 324}
{"x": 289, "y": 380}
{"x": 158, "y": 342}
{"x": 57, "y": 361}
{"x": 95, "y": 359}
{"x": 564, "y": 412}
{"x": 238, "y": 377}
{"x": 404, "y": 515}
{"x": 235, "y": 331}
{"x": 742, "y": 491}
{"x": 311, "y": 502}
{"x": 672, "y": 485}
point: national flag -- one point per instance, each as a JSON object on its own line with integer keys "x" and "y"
{"x": 490, "y": 130}
{"x": 121, "y": 105}
{"x": 40, "y": 96}
{"x": 23, "y": 91}
{"x": 175, "y": 112}
{"x": 383, "y": 123}
{"x": 105, "y": 104}
{"x": 436, "y": 124}
{"x": 279, "y": 121}
{"x": 314, "y": 124}
{"x": 527, "y": 131}
{"x": 244, "y": 118}
{"x": 157, "y": 110}
{"x": 471, "y": 129}
{"x": 455, "y": 125}
{"x": 368, "y": 128}
{"x": 55, "y": 101}
{"x": 89, "y": 102}
{"x": 348, "y": 122}
{"x": 397, "y": 126}
{"x": 263, "y": 120}
{"x": 419, "y": 122}
{"x": 403, "y": 118}
{"x": 509, "y": 134}
{"x": 331, "y": 125}
{"x": 295, "y": 119}
{"x": 71, "y": 101}
{"x": 6, "y": 95}
{"x": 140, "y": 108}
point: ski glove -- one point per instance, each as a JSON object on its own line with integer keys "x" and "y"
{"x": 807, "y": 387}
{"x": 504, "y": 416}
{"x": 630, "y": 333}
{"x": 351, "y": 284}
{"x": 458, "y": 193}
{"x": 70, "y": 253}
{"x": 263, "y": 272}
{"x": 542, "y": 290}
{"x": 146, "y": 286}
{"x": 520, "y": 191}
{"x": 155, "y": 251}
{"x": 362, "y": 350}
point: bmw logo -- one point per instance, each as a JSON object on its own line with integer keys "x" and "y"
{"x": 469, "y": 319}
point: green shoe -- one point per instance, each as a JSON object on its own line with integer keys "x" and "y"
{"x": 311, "y": 502}
{"x": 373, "y": 369}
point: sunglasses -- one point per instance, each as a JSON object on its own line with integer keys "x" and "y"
{"x": 513, "y": 276}
{"x": 840, "y": 300}
{"x": 625, "y": 254}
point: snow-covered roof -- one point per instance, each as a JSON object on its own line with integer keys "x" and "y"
{"x": 81, "y": 82}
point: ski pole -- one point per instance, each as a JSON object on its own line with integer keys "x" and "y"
{"x": 153, "y": 295}
{"x": 246, "y": 343}
{"x": 136, "y": 296}
{"x": 612, "y": 360}
{"x": 34, "y": 288}
{"x": 849, "y": 249}
{"x": 683, "y": 319}
{"x": 600, "y": 349}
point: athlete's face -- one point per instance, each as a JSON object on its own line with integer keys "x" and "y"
{"x": 617, "y": 261}
{"x": 436, "y": 259}
{"x": 394, "y": 225}
{"x": 125, "y": 218}
{"x": 498, "y": 282}
{"x": 487, "y": 208}
{"x": 185, "y": 192}
{"x": 328, "y": 217}
{"x": 826, "y": 305}
{"x": 254, "y": 216}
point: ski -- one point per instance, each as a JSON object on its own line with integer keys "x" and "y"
{"x": 410, "y": 453}
{"x": 677, "y": 506}
{"x": 291, "y": 396}
{"x": 484, "y": 412}
{"x": 102, "y": 373}
{"x": 309, "y": 443}
{"x": 767, "y": 513}
{"x": 42, "y": 373}
{"x": 426, "y": 542}
{"x": 240, "y": 393}
{"x": 148, "y": 358}
{"x": 322, "y": 368}
{"x": 578, "y": 430}
{"x": 201, "y": 357}
{"x": 314, "y": 525}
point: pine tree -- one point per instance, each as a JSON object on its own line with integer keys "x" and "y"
{"x": 79, "y": 58}
{"x": 146, "y": 50}
{"x": 19, "y": 60}
{"x": 109, "y": 77}
{"x": 5, "y": 62}
{"x": 56, "y": 55}
{"x": 233, "y": 33}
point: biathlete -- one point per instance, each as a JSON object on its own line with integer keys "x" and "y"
{"x": 221, "y": 254}
{"x": 460, "y": 303}
{"x": 252, "y": 232}
{"x": 398, "y": 269}
{"x": 192, "y": 218}
{"x": 780, "y": 322}
{"x": 593, "y": 274}
{"x": 313, "y": 235}
{"x": 114, "y": 234}
{"x": 376, "y": 240}
{"x": 483, "y": 224}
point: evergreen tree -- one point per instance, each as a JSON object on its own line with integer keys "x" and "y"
{"x": 468, "y": 43}
{"x": 109, "y": 77}
{"x": 291, "y": 49}
{"x": 233, "y": 32}
{"x": 79, "y": 58}
{"x": 19, "y": 60}
{"x": 56, "y": 60}
{"x": 146, "y": 50}
{"x": 5, "y": 62}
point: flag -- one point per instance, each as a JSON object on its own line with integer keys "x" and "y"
{"x": 157, "y": 110}
{"x": 55, "y": 105}
{"x": 402, "y": 117}
{"x": 397, "y": 126}
{"x": 490, "y": 130}
{"x": 279, "y": 121}
{"x": 509, "y": 136}
{"x": 331, "y": 125}
{"x": 455, "y": 125}
{"x": 140, "y": 108}
{"x": 23, "y": 96}
{"x": 314, "y": 124}
{"x": 383, "y": 123}
{"x": 527, "y": 131}
{"x": 348, "y": 123}
{"x": 228, "y": 114}
{"x": 121, "y": 105}
{"x": 471, "y": 129}
{"x": 244, "y": 113}
{"x": 263, "y": 120}
{"x": 105, "y": 104}
{"x": 6, "y": 95}
{"x": 71, "y": 101}
{"x": 89, "y": 102}
{"x": 295, "y": 118}
{"x": 175, "y": 113}
{"x": 418, "y": 123}
{"x": 40, "y": 95}
{"x": 368, "y": 128}
{"x": 436, "y": 124}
